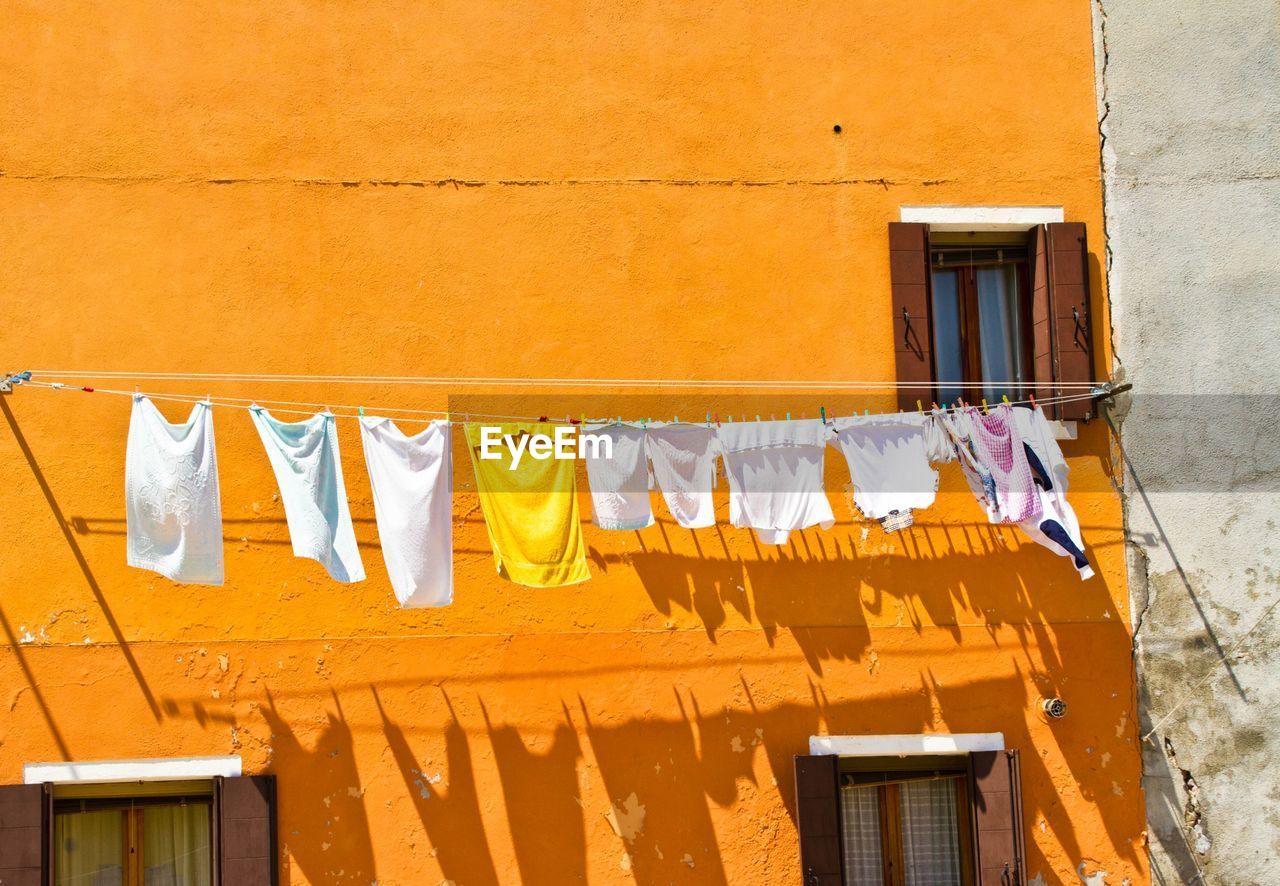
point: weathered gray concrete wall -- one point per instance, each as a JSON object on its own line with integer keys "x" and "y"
{"x": 1189, "y": 102}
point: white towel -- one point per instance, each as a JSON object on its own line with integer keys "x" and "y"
{"x": 775, "y": 471}
{"x": 173, "y": 512}
{"x": 684, "y": 466}
{"x": 412, "y": 480}
{"x": 888, "y": 461}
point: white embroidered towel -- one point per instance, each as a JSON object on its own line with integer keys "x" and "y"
{"x": 173, "y": 512}
{"x": 619, "y": 482}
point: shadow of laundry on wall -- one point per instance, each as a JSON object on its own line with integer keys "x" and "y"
{"x": 341, "y": 850}
{"x": 451, "y": 816}
{"x": 543, "y": 798}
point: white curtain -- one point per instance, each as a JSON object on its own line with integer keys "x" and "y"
{"x": 175, "y": 846}
{"x": 88, "y": 848}
{"x": 863, "y": 865}
{"x": 930, "y": 833}
{"x": 1000, "y": 321}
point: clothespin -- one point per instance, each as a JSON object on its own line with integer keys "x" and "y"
{"x": 823, "y": 410}
{"x": 934, "y": 403}
{"x": 984, "y": 405}
{"x": 730, "y": 417}
{"x": 1032, "y": 398}
{"x": 542, "y": 418}
{"x": 675, "y": 419}
{"x": 708, "y": 419}
{"x": 716, "y": 415}
{"x": 757, "y": 417}
{"x": 362, "y": 412}
{"x": 1005, "y": 397}
{"x": 866, "y": 412}
{"x": 788, "y": 416}
{"x": 582, "y": 418}
{"x": 919, "y": 406}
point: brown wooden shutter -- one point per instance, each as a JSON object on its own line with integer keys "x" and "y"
{"x": 912, "y": 327}
{"x": 997, "y": 818}
{"x": 818, "y": 820}
{"x": 1041, "y": 316}
{"x": 1068, "y": 274}
{"x": 246, "y": 823}
{"x": 24, "y": 834}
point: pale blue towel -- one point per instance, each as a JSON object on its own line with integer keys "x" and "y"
{"x": 308, "y": 469}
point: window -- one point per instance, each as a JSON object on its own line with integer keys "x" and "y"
{"x": 988, "y": 314}
{"x": 981, "y": 310}
{"x": 951, "y": 819}
{"x": 164, "y": 840}
{"x": 905, "y": 826}
{"x": 214, "y": 831}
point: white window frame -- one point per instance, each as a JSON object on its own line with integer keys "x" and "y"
{"x": 111, "y": 771}
{"x": 952, "y": 217}
{"x": 927, "y": 744}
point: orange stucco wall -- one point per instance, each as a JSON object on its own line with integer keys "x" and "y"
{"x": 644, "y": 190}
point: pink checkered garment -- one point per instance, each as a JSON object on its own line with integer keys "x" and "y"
{"x": 999, "y": 448}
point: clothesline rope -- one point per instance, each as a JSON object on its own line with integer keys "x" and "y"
{"x": 760, "y": 384}
{"x": 349, "y": 411}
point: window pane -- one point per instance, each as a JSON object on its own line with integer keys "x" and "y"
{"x": 175, "y": 846}
{"x": 1000, "y": 319}
{"x": 88, "y": 848}
{"x": 862, "y": 861}
{"x": 930, "y": 833}
{"x": 948, "y": 344}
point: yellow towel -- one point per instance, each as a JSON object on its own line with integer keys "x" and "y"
{"x": 531, "y": 513}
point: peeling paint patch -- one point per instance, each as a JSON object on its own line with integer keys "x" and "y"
{"x": 1037, "y": 880}
{"x": 1097, "y": 878}
{"x": 736, "y": 745}
{"x": 687, "y": 859}
{"x": 627, "y": 818}
{"x": 224, "y": 662}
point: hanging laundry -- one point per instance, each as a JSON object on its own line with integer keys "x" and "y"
{"x": 173, "y": 512}
{"x": 308, "y": 468}
{"x": 412, "y": 480}
{"x": 620, "y": 483}
{"x": 1001, "y": 463}
{"x": 531, "y": 511}
{"x": 1056, "y": 528}
{"x": 937, "y": 440}
{"x": 775, "y": 476}
{"x": 889, "y": 463}
{"x": 684, "y": 468}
